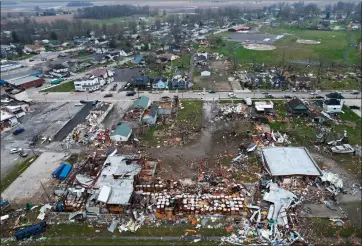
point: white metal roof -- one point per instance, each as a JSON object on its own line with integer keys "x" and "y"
{"x": 288, "y": 161}
{"x": 104, "y": 194}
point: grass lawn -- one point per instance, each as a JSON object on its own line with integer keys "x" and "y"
{"x": 22, "y": 57}
{"x": 16, "y": 172}
{"x": 325, "y": 228}
{"x": 63, "y": 87}
{"x": 330, "y": 50}
{"x": 345, "y": 84}
{"x": 190, "y": 116}
{"x": 224, "y": 101}
{"x": 183, "y": 62}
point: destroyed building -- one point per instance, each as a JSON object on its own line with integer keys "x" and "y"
{"x": 286, "y": 162}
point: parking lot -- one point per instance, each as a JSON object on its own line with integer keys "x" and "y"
{"x": 254, "y": 38}
{"x": 43, "y": 119}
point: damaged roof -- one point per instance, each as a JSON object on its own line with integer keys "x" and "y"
{"x": 287, "y": 161}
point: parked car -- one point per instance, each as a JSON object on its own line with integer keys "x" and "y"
{"x": 269, "y": 96}
{"x": 15, "y": 150}
{"x": 287, "y": 97}
{"x": 18, "y": 131}
{"x": 130, "y": 93}
{"x": 232, "y": 95}
{"x": 23, "y": 153}
{"x": 83, "y": 101}
{"x": 212, "y": 91}
{"x": 314, "y": 93}
{"x": 355, "y": 92}
{"x": 319, "y": 97}
{"x": 108, "y": 95}
{"x": 265, "y": 93}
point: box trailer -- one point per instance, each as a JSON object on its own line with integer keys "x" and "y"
{"x": 30, "y": 231}
{"x": 66, "y": 170}
{"x": 58, "y": 171}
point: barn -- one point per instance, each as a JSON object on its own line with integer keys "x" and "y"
{"x": 26, "y": 82}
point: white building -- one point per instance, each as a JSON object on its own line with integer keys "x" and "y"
{"x": 205, "y": 73}
{"x": 95, "y": 80}
{"x": 261, "y": 106}
{"x": 8, "y": 119}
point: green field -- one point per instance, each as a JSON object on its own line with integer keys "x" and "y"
{"x": 63, "y": 87}
{"x": 331, "y": 50}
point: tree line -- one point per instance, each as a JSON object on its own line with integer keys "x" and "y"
{"x": 111, "y": 11}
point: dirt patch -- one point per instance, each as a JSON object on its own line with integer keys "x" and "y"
{"x": 217, "y": 82}
{"x": 259, "y": 47}
{"x": 306, "y": 41}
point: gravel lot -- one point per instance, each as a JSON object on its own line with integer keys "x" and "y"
{"x": 39, "y": 171}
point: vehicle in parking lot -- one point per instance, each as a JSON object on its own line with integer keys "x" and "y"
{"x": 108, "y": 95}
{"x": 18, "y": 131}
{"x": 355, "y": 92}
{"x": 130, "y": 93}
{"x": 23, "y": 153}
{"x": 15, "y": 150}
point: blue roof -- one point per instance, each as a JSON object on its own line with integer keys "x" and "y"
{"x": 138, "y": 58}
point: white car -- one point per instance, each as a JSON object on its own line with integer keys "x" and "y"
{"x": 15, "y": 150}
{"x": 314, "y": 93}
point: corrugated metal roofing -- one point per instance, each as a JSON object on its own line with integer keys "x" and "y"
{"x": 122, "y": 130}
{"x": 141, "y": 102}
{"x": 104, "y": 194}
{"x": 286, "y": 161}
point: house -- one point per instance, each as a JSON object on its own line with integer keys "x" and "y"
{"x": 169, "y": 56}
{"x": 201, "y": 59}
{"x": 263, "y": 106}
{"x": 297, "y": 107}
{"x": 94, "y": 80}
{"x": 142, "y": 102}
{"x": 160, "y": 83}
{"x": 150, "y": 116}
{"x": 174, "y": 47}
{"x": 333, "y": 106}
{"x": 7, "y": 119}
{"x": 121, "y": 133}
{"x": 164, "y": 108}
{"x": 138, "y": 59}
{"x": 8, "y": 50}
{"x": 317, "y": 117}
{"x": 99, "y": 59}
{"x": 205, "y": 71}
{"x": 180, "y": 80}
{"x": 204, "y": 43}
{"x": 141, "y": 81}
{"x": 286, "y": 162}
{"x": 60, "y": 70}
{"x": 32, "y": 48}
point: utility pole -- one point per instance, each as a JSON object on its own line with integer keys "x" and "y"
{"x": 49, "y": 200}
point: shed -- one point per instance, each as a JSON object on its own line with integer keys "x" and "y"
{"x": 289, "y": 161}
{"x": 142, "y": 102}
{"x": 121, "y": 133}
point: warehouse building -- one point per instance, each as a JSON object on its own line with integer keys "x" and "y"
{"x": 26, "y": 82}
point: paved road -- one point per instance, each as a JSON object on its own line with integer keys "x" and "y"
{"x": 76, "y": 96}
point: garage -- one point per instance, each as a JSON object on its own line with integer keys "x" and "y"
{"x": 26, "y": 82}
